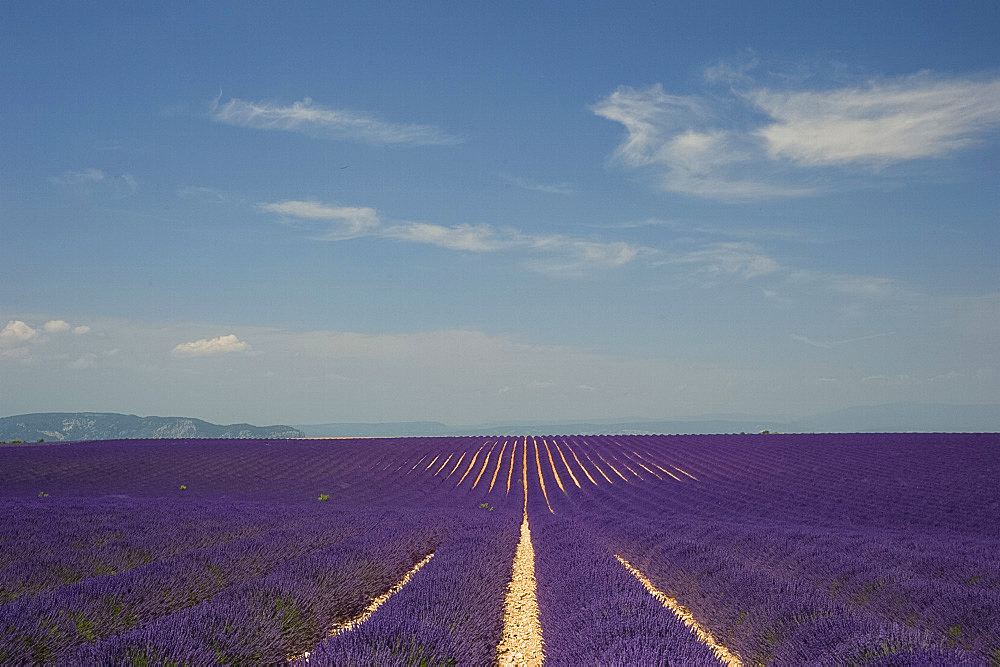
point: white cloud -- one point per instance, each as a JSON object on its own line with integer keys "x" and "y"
{"x": 82, "y": 329}
{"x": 562, "y": 188}
{"x": 731, "y": 72}
{"x": 87, "y": 361}
{"x": 742, "y": 260}
{"x": 906, "y": 119}
{"x": 569, "y": 254}
{"x": 676, "y": 134}
{"x": 349, "y": 221}
{"x": 55, "y": 326}
{"x": 16, "y": 353}
{"x": 574, "y": 255}
{"x": 207, "y": 346}
{"x": 472, "y": 238}
{"x": 828, "y": 344}
{"x": 203, "y": 194}
{"x": 327, "y": 123}
{"x": 456, "y": 376}
{"x": 16, "y": 332}
{"x": 79, "y": 178}
{"x": 694, "y": 148}
{"x": 94, "y": 182}
{"x": 873, "y": 286}
{"x": 870, "y": 287}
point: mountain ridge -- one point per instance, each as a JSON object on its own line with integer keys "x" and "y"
{"x": 889, "y": 417}
{"x": 78, "y": 426}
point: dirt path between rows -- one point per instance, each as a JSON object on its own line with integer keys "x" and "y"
{"x": 353, "y": 623}
{"x": 521, "y": 643}
{"x": 724, "y": 655}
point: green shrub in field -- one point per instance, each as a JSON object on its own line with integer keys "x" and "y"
{"x": 324, "y": 496}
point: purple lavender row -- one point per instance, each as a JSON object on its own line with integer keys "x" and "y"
{"x": 593, "y": 612}
{"x": 350, "y": 472}
{"x": 938, "y": 581}
{"x": 48, "y": 543}
{"x": 867, "y": 572}
{"x": 450, "y": 613}
{"x": 871, "y": 575}
{"x": 285, "y": 613}
{"x": 920, "y": 482}
{"x": 769, "y": 610}
{"x": 43, "y": 628}
{"x": 761, "y": 616}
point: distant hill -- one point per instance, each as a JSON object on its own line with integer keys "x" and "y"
{"x": 889, "y": 418}
{"x": 110, "y": 426}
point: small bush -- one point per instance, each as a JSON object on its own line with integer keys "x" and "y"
{"x": 324, "y": 496}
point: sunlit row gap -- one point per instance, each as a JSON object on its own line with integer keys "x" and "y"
{"x": 622, "y": 464}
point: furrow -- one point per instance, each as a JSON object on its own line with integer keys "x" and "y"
{"x": 552, "y": 464}
{"x": 579, "y": 463}
{"x": 704, "y": 636}
{"x": 353, "y": 623}
{"x": 499, "y": 462}
{"x": 486, "y": 464}
{"x": 563, "y": 457}
{"x": 472, "y": 464}
{"x": 444, "y": 464}
{"x": 594, "y": 463}
{"x": 457, "y": 463}
{"x": 521, "y": 642}
{"x": 541, "y": 480}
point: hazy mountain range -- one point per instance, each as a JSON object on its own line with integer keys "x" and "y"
{"x": 61, "y": 426}
{"x": 893, "y": 417}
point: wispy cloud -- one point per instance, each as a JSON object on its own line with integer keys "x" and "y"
{"x": 736, "y": 259}
{"x": 327, "y": 123}
{"x": 209, "y": 346}
{"x": 679, "y": 135}
{"x": 574, "y": 255}
{"x": 884, "y": 122}
{"x": 79, "y": 178}
{"x": 568, "y": 254}
{"x": 347, "y": 222}
{"x": 561, "y": 188}
{"x": 873, "y": 287}
{"x": 96, "y": 182}
{"x": 705, "y": 229}
{"x": 85, "y": 362}
{"x": 694, "y": 148}
{"x": 202, "y": 194}
{"x": 827, "y": 344}
{"x": 471, "y": 238}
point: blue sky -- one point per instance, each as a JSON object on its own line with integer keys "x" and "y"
{"x": 475, "y": 212}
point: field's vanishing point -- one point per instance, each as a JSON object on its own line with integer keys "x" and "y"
{"x": 574, "y": 550}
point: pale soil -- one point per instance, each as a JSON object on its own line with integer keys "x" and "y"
{"x": 522, "y": 632}
{"x": 353, "y": 623}
{"x": 704, "y": 636}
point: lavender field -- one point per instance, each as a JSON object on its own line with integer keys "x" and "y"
{"x": 739, "y": 549}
